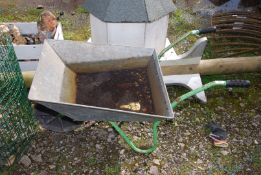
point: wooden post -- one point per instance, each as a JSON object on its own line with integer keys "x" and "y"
{"x": 206, "y": 67}
{"x": 28, "y": 78}
{"x": 217, "y": 66}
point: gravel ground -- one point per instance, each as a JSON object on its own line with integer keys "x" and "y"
{"x": 184, "y": 146}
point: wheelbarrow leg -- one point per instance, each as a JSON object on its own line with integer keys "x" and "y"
{"x": 190, "y": 81}
{"x": 132, "y": 145}
{"x": 191, "y": 57}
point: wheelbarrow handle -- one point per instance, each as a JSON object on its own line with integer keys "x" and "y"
{"x": 237, "y": 83}
{"x": 207, "y": 30}
{"x": 183, "y": 37}
{"x": 228, "y": 83}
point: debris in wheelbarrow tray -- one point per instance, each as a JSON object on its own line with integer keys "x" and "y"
{"x": 125, "y": 89}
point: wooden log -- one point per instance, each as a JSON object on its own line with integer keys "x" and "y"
{"x": 28, "y": 78}
{"x": 206, "y": 67}
{"x": 217, "y": 66}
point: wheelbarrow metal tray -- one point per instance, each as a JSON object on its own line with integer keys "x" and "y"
{"x": 55, "y": 80}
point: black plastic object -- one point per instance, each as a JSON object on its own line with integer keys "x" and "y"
{"x": 238, "y": 83}
{"x": 54, "y": 121}
{"x": 207, "y": 30}
{"x": 217, "y": 132}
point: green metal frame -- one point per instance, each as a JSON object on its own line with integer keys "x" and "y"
{"x": 156, "y": 123}
{"x": 193, "y": 32}
{"x": 132, "y": 145}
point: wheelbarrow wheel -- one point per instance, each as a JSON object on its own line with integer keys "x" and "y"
{"x": 54, "y": 121}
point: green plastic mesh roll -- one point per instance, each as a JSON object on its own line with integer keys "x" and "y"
{"x": 17, "y": 122}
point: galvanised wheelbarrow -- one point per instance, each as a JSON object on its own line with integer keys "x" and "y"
{"x": 107, "y": 83}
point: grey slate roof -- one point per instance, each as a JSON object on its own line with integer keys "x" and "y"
{"x": 129, "y": 11}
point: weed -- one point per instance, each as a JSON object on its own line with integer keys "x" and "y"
{"x": 81, "y": 10}
{"x": 112, "y": 170}
{"x": 256, "y": 161}
{"x": 79, "y": 34}
{"x": 27, "y": 15}
{"x": 91, "y": 161}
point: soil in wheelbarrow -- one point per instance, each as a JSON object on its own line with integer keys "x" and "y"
{"x": 125, "y": 89}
